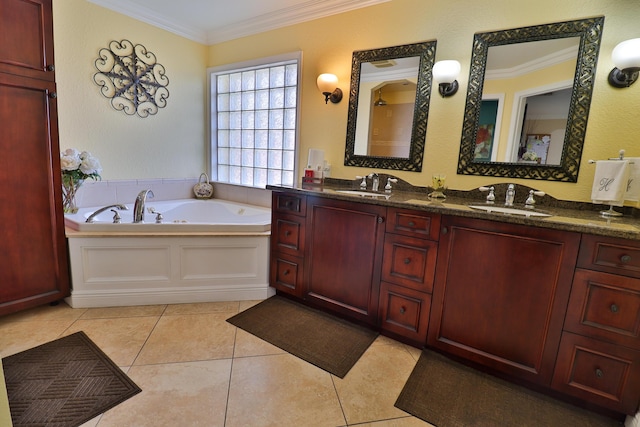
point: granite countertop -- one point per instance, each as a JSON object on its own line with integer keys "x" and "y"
{"x": 565, "y": 215}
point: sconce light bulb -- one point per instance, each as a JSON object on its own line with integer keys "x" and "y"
{"x": 327, "y": 84}
{"x": 626, "y": 58}
{"x": 445, "y": 74}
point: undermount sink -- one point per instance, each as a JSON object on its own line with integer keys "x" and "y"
{"x": 510, "y": 211}
{"x": 361, "y": 193}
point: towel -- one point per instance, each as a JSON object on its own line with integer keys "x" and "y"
{"x": 633, "y": 185}
{"x": 610, "y": 182}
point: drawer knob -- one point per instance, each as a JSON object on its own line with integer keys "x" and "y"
{"x": 599, "y": 373}
{"x": 445, "y": 230}
{"x": 412, "y": 224}
{"x": 380, "y": 219}
{"x": 287, "y": 233}
{"x": 407, "y": 260}
{"x": 614, "y": 308}
{"x": 402, "y": 310}
{"x": 288, "y": 204}
{"x": 285, "y": 273}
{"x": 625, "y": 258}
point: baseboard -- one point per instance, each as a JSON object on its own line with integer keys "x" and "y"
{"x": 132, "y": 297}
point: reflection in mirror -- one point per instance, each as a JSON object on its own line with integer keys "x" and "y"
{"x": 388, "y": 107}
{"x": 528, "y": 100}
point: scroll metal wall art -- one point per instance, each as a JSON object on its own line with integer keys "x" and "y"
{"x": 131, "y": 78}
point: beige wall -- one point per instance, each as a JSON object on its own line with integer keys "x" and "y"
{"x": 328, "y": 44}
{"x": 169, "y": 144}
{"x": 173, "y": 143}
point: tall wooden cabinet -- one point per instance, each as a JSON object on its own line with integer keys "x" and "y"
{"x": 33, "y": 265}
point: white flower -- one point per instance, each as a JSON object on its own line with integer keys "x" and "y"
{"x": 69, "y": 163}
{"x": 90, "y": 165}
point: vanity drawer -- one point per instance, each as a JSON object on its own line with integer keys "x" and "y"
{"x": 287, "y": 234}
{"x": 289, "y": 203}
{"x": 605, "y": 306}
{"x": 404, "y": 312}
{"x": 611, "y": 255}
{"x": 413, "y": 223}
{"x": 286, "y": 273}
{"x": 598, "y": 372}
{"x": 409, "y": 262}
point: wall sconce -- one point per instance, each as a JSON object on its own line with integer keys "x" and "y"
{"x": 445, "y": 74}
{"x": 327, "y": 84}
{"x": 626, "y": 58}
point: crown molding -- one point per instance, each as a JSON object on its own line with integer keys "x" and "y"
{"x": 307, "y": 11}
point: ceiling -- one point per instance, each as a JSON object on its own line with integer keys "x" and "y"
{"x": 215, "y": 21}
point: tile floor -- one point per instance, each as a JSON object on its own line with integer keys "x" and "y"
{"x": 196, "y": 369}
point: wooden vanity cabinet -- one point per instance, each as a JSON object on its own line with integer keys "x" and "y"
{"x": 288, "y": 217}
{"x": 343, "y": 257}
{"x": 500, "y": 295}
{"x": 408, "y": 267}
{"x": 599, "y": 357}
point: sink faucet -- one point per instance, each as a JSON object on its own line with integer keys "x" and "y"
{"x": 375, "y": 181}
{"x": 91, "y": 217}
{"x": 511, "y": 194}
{"x": 138, "y": 207}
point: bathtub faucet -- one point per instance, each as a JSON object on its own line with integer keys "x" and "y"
{"x": 138, "y": 207}
{"x": 91, "y": 217}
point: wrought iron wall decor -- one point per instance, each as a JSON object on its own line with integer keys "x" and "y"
{"x": 131, "y": 77}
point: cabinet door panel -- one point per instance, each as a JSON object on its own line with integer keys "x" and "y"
{"x": 606, "y": 306}
{"x": 598, "y": 372}
{"x": 500, "y": 294}
{"x": 344, "y": 255}
{"x": 26, "y": 32}
{"x": 405, "y": 312}
{"x": 409, "y": 262}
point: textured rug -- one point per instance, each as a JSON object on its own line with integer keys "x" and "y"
{"x": 448, "y": 394}
{"x": 328, "y": 342}
{"x": 63, "y": 383}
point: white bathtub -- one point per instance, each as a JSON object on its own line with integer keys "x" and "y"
{"x": 185, "y": 215}
{"x": 203, "y": 251}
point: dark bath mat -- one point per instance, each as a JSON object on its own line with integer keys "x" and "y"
{"x": 63, "y": 383}
{"x": 448, "y": 394}
{"x": 328, "y": 342}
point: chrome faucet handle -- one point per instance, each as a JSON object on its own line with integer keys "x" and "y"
{"x": 158, "y": 215}
{"x": 530, "y": 202}
{"x": 491, "y": 197}
{"x": 363, "y": 184}
{"x": 116, "y": 217}
{"x": 390, "y": 180}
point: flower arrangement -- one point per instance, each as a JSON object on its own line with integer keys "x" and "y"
{"x": 76, "y": 167}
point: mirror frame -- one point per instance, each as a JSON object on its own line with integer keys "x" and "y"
{"x": 590, "y": 32}
{"x": 426, "y": 51}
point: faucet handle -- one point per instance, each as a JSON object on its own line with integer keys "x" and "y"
{"x": 116, "y": 217}
{"x": 390, "y": 180}
{"x": 530, "y": 202}
{"x": 491, "y": 197}
{"x": 363, "y": 184}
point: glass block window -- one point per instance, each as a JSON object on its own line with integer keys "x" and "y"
{"x": 254, "y": 116}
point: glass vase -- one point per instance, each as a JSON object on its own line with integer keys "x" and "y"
{"x": 70, "y": 188}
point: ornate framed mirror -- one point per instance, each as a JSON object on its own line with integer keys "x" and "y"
{"x": 389, "y": 106}
{"x": 528, "y": 100}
